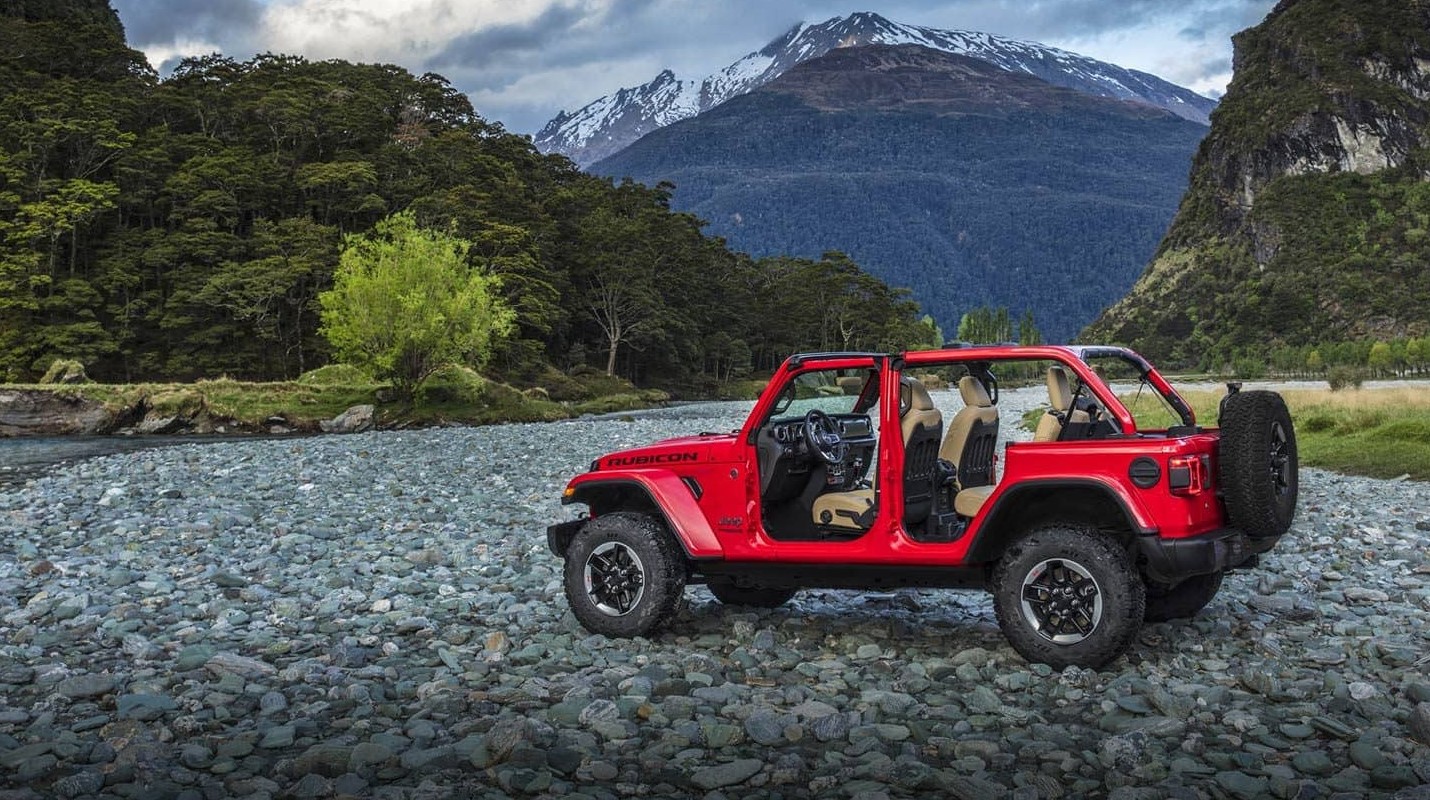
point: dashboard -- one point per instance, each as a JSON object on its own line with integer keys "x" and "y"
{"x": 791, "y": 431}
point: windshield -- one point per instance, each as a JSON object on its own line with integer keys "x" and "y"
{"x": 833, "y": 391}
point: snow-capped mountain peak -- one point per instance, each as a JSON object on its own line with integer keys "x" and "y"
{"x": 607, "y": 125}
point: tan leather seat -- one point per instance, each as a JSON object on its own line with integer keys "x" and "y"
{"x": 920, "y": 426}
{"x": 972, "y": 435}
{"x": 967, "y": 502}
{"x": 919, "y": 410}
{"x": 1059, "y": 398}
{"x": 844, "y": 509}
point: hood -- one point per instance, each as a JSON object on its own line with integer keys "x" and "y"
{"x": 670, "y": 452}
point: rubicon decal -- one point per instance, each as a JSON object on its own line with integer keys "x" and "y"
{"x": 657, "y": 458}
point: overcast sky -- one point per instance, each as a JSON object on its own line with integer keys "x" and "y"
{"x": 521, "y": 61}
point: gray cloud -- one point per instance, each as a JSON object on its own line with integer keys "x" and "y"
{"x": 161, "y": 22}
{"x": 492, "y": 45}
{"x": 574, "y": 51}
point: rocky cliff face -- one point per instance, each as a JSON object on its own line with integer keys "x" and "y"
{"x": 41, "y": 412}
{"x": 1302, "y": 221}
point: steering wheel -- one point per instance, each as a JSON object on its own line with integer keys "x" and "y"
{"x": 821, "y": 435}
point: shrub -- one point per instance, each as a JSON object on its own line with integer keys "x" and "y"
{"x": 452, "y": 384}
{"x": 1342, "y": 377}
{"x": 405, "y": 301}
{"x": 1416, "y": 431}
{"x": 65, "y": 370}
{"x": 599, "y": 384}
{"x": 1248, "y": 368}
{"x": 560, "y": 386}
{"x": 1316, "y": 423}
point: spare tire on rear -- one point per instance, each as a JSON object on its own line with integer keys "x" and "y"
{"x": 1258, "y": 463}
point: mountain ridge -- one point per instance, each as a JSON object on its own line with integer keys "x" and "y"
{"x": 938, "y": 172}
{"x": 608, "y": 124}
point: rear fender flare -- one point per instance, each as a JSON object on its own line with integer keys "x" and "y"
{"x": 655, "y": 491}
{"x": 1033, "y": 502}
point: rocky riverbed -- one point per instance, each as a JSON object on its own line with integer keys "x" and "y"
{"x": 377, "y": 615}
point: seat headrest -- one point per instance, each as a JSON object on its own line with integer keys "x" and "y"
{"x": 913, "y": 397}
{"x": 1059, "y": 390}
{"x": 973, "y": 392}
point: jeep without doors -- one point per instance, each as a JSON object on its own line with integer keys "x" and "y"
{"x": 846, "y": 475}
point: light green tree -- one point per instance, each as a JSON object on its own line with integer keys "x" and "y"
{"x": 405, "y": 302}
{"x": 1417, "y": 352}
{"x": 1028, "y": 332}
{"x": 1379, "y": 359}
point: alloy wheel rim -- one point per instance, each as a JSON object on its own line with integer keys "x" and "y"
{"x": 1280, "y": 462}
{"x": 615, "y": 579}
{"x": 1061, "y": 601}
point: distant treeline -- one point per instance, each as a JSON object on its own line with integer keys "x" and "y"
{"x": 1376, "y": 359}
{"x": 184, "y": 228}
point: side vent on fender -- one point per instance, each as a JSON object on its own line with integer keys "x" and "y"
{"x": 694, "y": 487}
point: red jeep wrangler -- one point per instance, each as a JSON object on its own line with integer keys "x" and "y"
{"x": 846, "y": 475}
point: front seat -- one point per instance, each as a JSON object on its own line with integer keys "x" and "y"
{"x": 1060, "y": 399}
{"x": 921, "y": 426}
{"x": 972, "y": 436}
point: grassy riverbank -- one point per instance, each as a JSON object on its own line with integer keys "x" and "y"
{"x": 453, "y": 395}
{"x": 1380, "y": 433}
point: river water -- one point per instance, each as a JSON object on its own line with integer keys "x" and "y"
{"x": 23, "y": 457}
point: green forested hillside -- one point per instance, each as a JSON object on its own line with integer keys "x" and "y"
{"x": 1307, "y": 215}
{"x": 968, "y": 184}
{"x": 183, "y": 228}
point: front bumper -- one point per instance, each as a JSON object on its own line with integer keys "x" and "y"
{"x": 1173, "y": 560}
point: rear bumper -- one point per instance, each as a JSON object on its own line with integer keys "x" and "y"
{"x": 1174, "y": 560}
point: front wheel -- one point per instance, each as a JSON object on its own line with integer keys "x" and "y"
{"x": 731, "y": 594}
{"x": 1068, "y": 596}
{"x": 624, "y": 576}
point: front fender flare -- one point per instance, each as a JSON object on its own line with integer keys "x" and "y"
{"x": 666, "y": 494}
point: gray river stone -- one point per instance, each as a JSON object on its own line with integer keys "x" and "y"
{"x": 726, "y": 774}
{"x": 378, "y": 615}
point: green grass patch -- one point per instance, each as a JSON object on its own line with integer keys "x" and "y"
{"x": 1380, "y": 433}
{"x": 335, "y": 375}
{"x": 628, "y": 401}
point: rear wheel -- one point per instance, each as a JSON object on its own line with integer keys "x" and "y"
{"x": 624, "y": 576}
{"x": 1068, "y": 596}
{"x": 1258, "y": 463}
{"x": 1183, "y": 600}
{"x": 731, "y": 594}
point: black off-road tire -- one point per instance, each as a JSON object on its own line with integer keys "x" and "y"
{"x": 645, "y": 547}
{"x": 731, "y": 594}
{"x": 1040, "y": 557}
{"x": 1183, "y": 600}
{"x": 1258, "y": 463}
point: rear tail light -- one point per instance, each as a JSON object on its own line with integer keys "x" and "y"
{"x": 1188, "y": 475}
